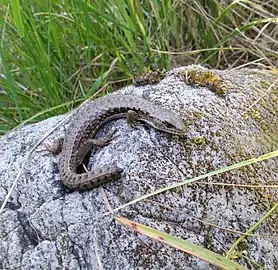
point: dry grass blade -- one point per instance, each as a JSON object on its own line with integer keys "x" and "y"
{"x": 26, "y": 160}
{"x": 258, "y": 100}
{"x": 36, "y": 145}
{"x": 210, "y": 223}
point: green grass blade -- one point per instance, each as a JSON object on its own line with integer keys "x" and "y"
{"x": 254, "y": 227}
{"x": 17, "y": 17}
{"x": 183, "y": 245}
{"x": 221, "y": 170}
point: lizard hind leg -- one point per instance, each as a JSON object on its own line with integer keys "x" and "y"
{"x": 88, "y": 144}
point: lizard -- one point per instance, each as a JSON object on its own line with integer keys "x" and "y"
{"x": 79, "y": 137}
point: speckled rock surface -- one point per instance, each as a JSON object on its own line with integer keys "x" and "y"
{"x": 47, "y": 226}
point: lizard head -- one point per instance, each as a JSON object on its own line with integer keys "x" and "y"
{"x": 161, "y": 120}
{"x": 169, "y": 123}
{"x": 173, "y": 126}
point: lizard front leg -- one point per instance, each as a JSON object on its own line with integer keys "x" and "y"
{"x": 132, "y": 118}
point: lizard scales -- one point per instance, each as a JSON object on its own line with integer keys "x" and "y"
{"x": 86, "y": 123}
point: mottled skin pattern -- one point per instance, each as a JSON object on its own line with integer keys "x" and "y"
{"x": 85, "y": 124}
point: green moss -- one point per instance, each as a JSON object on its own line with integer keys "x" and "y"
{"x": 203, "y": 79}
{"x": 255, "y": 111}
{"x": 197, "y": 115}
{"x": 254, "y": 114}
{"x": 242, "y": 246}
{"x": 240, "y": 152}
{"x": 151, "y": 76}
{"x": 217, "y": 133}
{"x": 264, "y": 83}
{"x": 199, "y": 140}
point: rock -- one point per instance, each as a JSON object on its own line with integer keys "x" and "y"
{"x": 230, "y": 117}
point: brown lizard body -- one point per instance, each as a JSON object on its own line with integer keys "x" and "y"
{"x": 84, "y": 126}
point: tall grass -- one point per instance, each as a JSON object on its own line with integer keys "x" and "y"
{"x": 54, "y": 54}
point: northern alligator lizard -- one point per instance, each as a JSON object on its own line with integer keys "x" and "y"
{"x": 85, "y": 124}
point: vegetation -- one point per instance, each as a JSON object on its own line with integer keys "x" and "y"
{"x": 54, "y": 54}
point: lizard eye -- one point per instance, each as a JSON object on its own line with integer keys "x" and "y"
{"x": 169, "y": 125}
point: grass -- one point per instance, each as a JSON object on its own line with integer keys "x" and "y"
{"x": 54, "y": 55}
{"x": 187, "y": 246}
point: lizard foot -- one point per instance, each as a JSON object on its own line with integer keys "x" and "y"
{"x": 54, "y": 148}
